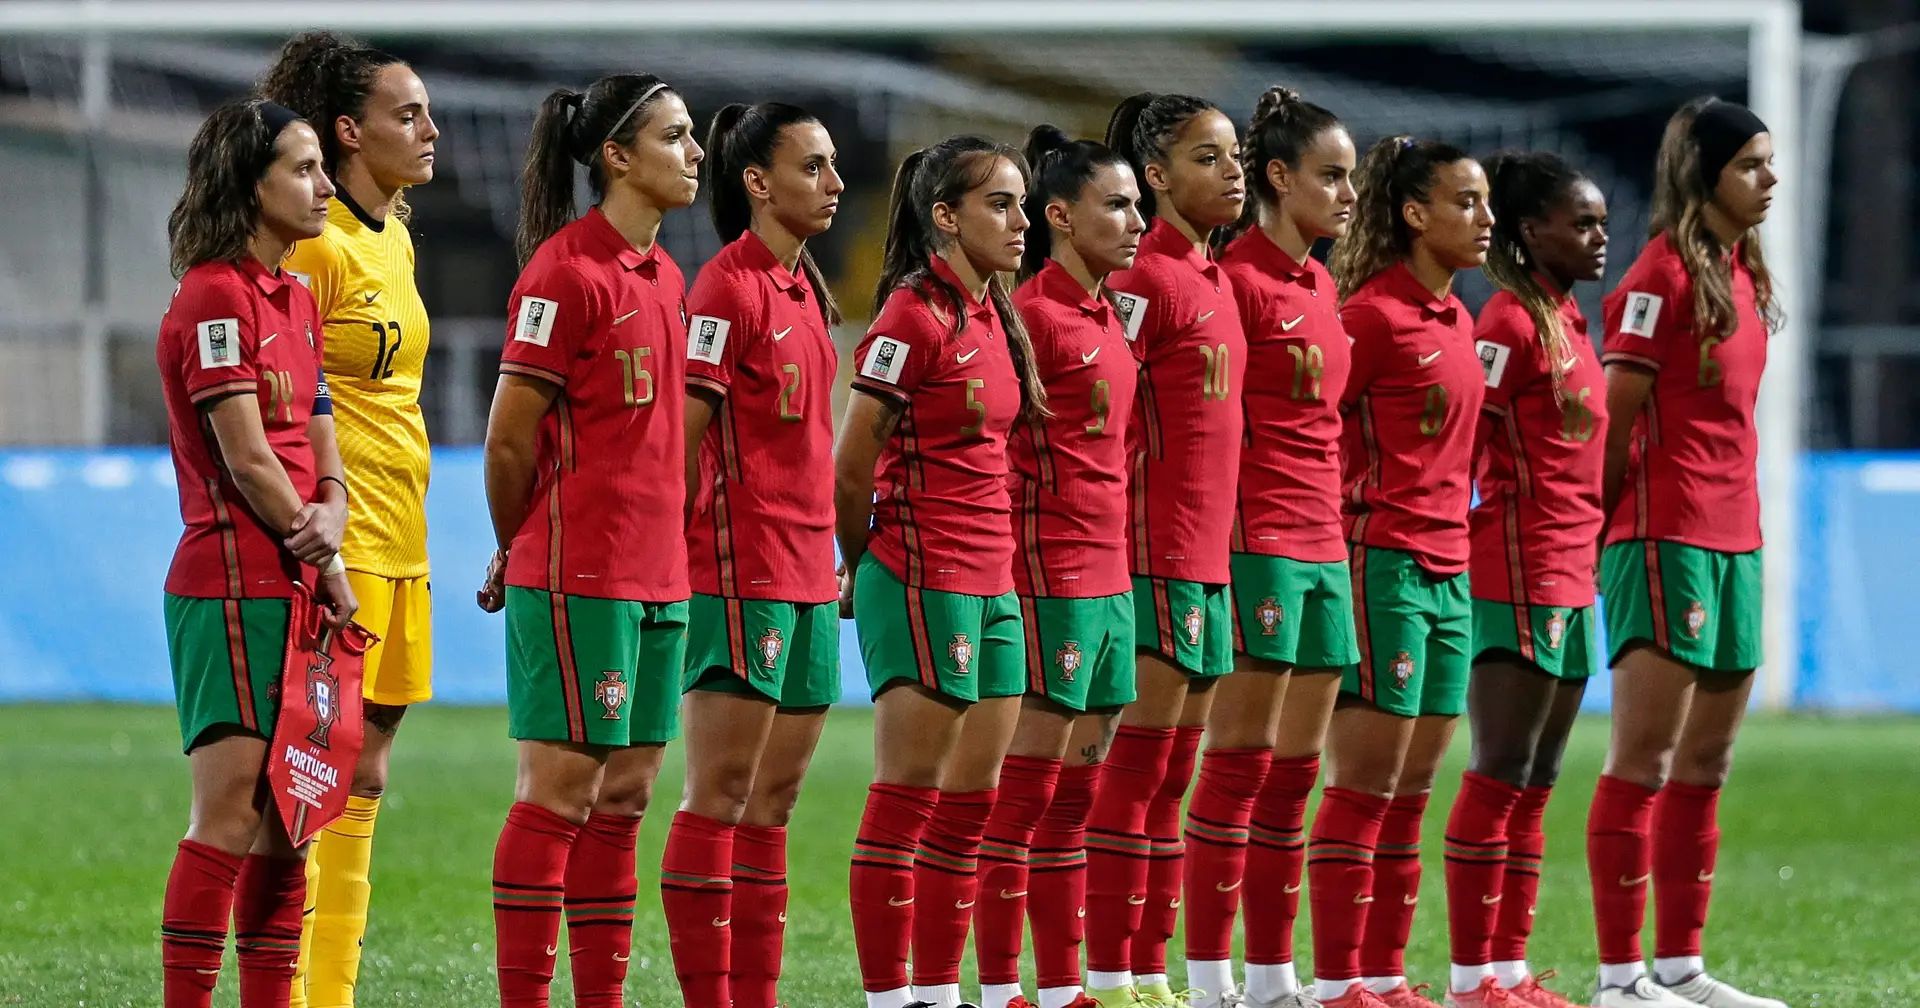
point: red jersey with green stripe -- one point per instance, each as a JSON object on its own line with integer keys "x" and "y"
{"x": 1298, "y": 357}
{"x": 1185, "y": 437}
{"x": 237, "y": 328}
{"x": 1069, "y": 472}
{"x": 1536, "y": 531}
{"x": 606, "y": 325}
{"x": 1692, "y": 469}
{"x": 762, "y": 524}
{"x": 941, "y": 510}
{"x": 1410, "y": 407}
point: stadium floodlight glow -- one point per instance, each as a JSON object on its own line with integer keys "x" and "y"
{"x": 1772, "y": 27}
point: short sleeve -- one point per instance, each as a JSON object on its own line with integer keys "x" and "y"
{"x": 1148, "y": 299}
{"x": 1506, "y": 342}
{"x": 1372, "y": 338}
{"x": 897, "y": 353}
{"x": 725, "y": 317}
{"x": 551, "y": 314}
{"x": 217, "y": 314}
{"x": 1645, "y": 315}
{"x": 315, "y": 262}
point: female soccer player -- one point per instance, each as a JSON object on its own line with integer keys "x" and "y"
{"x": 1534, "y": 546}
{"x": 1406, "y": 445}
{"x": 264, "y": 505}
{"x": 764, "y": 660}
{"x": 1185, "y": 442}
{"x": 376, "y": 139}
{"x": 1686, "y": 342}
{"x": 585, "y": 459}
{"x": 1068, "y": 484}
{"x": 942, "y": 376}
{"x": 1293, "y": 627}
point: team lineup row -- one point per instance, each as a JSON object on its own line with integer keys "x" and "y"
{"x": 1182, "y": 482}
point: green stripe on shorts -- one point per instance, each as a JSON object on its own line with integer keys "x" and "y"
{"x": 593, "y": 671}
{"x": 968, "y": 647}
{"x": 1698, "y": 605}
{"x": 1414, "y": 628}
{"x": 787, "y": 652}
{"x": 1189, "y": 623}
{"x": 1080, "y": 650}
{"x": 1293, "y": 611}
{"x": 226, "y": 656}
{"x": 1559, "y": 641}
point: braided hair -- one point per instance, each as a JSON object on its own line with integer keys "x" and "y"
{"x": 1395, "y": 170}
{"x": 1525, "y": 186}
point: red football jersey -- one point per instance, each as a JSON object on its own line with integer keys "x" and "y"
{"x": 1406, "y": 444}
{"x": 941, "y": 511}
{"x": 237, "y": 328}
{"x": 1180, "y": 314}
{"x": 1298, "y": 357}
{"x": 1536, "y": 530}
{"x": 1069, "y": 472}
{"x": 606, "y": 324}
{"x": 1691, "y": 474}
{"x": 762, "y": 523}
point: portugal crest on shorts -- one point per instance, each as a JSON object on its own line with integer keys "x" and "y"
{"x": 770, "y": 645}
{"x": 1269, "y": 614}
{"x": 961, "y": 651}
{"x": 1556, "y": 630}
{"x": 1696, "y": 619}
{"x": 1068, "y": 658}
{"x": 611, "y": 691}
{"x": 1402, "y": 669}
{"x": 1195, "y": 622}
{"x": 323, "y": 696}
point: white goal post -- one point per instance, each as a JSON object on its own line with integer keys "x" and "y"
{"x": 1772, "y": 26}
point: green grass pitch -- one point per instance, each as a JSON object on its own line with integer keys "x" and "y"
{"x": 1819, "y": 874}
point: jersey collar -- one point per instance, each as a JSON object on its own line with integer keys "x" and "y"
{"x": 1167, "y": 240}
{"x": 267, "y": 280}
{"x": 945, "y": 272}
{"x": 1403, "y": 284}
{"x": 366, "y": 220}
{"x": 1274, "y": 260}
{"x": 1056, "y": 284}
{"x": 760, "y": 257}
{"x": 615, "y": 243}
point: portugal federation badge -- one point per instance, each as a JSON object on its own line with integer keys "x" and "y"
{"x": 611, "y": 691}
{"x": 1696, "y": 619}
{"x": 1068, "y": 658}
{"x": 1269, "y": 614}
{"x": 1402, "y": 669}
{"x": 770, "y": 644}
{"x": 961, "y": 651}
{"x": 323, "y": 696}
{"x": 1195, "y": 622}
{"x": 1556, "y": 630}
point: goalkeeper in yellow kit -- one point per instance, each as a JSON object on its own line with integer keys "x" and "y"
{"x": 376, "y": 137}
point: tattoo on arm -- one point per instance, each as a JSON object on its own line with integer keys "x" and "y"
{"x": 885, "y": 420}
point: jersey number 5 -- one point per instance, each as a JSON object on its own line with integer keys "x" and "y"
{"x": 636, "y": 380}
{"x": 979, "y": 408}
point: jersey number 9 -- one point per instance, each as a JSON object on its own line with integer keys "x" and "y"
{"x": 1102, "y": 402}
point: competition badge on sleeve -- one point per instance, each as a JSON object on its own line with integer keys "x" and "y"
{"x": 317, "y": 740}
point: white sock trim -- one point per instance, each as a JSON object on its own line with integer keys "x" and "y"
{"x": 1109, "y": 981}
{"x": 1149, "y": 979}
{"x": 1269, "y": 982}
{"x": 1383, "y": 984}
{"x": 897, "y": 998}
{"x": 1463, "y": 979}
{"x": 939, "y": 995}
{"x": 1058, "y": 997}
{"x": 997, "y": 995}
{"x": 1621, "y": 974}
{"x": 1511, "y": 973}
{"x": 1673, "y": 970}
{"x": 1327, "y": 990}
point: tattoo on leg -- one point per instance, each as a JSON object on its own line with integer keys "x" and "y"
{"x": 385, "y": 718}
{"x": 1093, "y": 753}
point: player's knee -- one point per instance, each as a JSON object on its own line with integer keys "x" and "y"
{"x": 1504, "y": 765}
{"x": 1544, "y": 773}
{"x": 1707, "y": 768}
{"x": 1649, "y": 770}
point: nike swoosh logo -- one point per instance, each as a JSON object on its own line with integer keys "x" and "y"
{"x": 783, "y": 916}
{"x": 1409, "y": 900}
{"x": 627, "y": 316}
{"x": 1173, "y": 904}
{"x": 1430, "y": 358}
{"x": 1136, "y": 901}
{"x": 553, "y": 950}
{"x": 898, "y": 902}
{"x": 1087, "y": 358}
{"x": 963, "y": 904}
{"x": 1012, "y": 895}
{"x": 1529, "y": 911}
{"x": 1205, "y": 316}
{"x": 371, "y": 296}
{"x": 1082, "y": 913}
{"x": 1628, "y": 883}
{"x": 1705, "y": 876}
{"x": 965, "y": 357}
{"x": 1288, "y": 326}
{"x": 1567, "y": 365}
{"x": 264, "y": 342}
{"x": 1290, "y": 890}
{"x": 1489, "y": 900}
{"x": 782, "y": 334}
{"x": 621, "y": 957}
{"x": 1225, "y": 888}
{"x": 722, "y": 921}
{"x": 211, "y": 972}
{"x": 1358, "y": 899}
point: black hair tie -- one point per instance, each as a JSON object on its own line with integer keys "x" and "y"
{"x": 1720, "y": 130}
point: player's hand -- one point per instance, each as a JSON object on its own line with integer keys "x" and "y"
{"x": 492, "y": 596}
{"x": 317, "y": 530}
{"x": 846, "y": 590}
{"x": 336, "y": 599}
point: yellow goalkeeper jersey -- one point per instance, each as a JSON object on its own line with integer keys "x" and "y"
{"x": 361, "y": 274}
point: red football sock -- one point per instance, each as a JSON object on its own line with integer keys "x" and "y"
{"x": 1340, "y": 878}
{"x": 529, "y": 878}
{"x": 696, "y": 890}
{"x": 1276, "y": 854}
{"x": 268, "y": 899}
{"x": 1476, "y": 865}
{"x": 1000, "y": 917}
{"x": 1686, "y": 845}
{"x": 1396, "y": 888}
{"x": 1619, "y": 866}
{"x": 880, "y": 884}
{"x": 193, "y": 923}
{"x": 1117, "y": 845}
{"x": 1168, "y": 853}
{"x": 946, "y": 884}
{"x": 600, "y": 891}
{"x": 1216, "y": 834}
{"x": 759, "y": 915}
{"x": 1520, "y": 883}
{"x": 1057, "y": 878}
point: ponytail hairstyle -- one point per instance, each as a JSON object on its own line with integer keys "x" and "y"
{"x": 219, "y": 210}
{"x": 747, "y": 135}
{"x": 944, "y": 173}
{"x": 1681, "y": 193}
{"x": 1396, "y": 169}
{"x": 324, "y": 76}
{"x": 1524, "y": 187}
{"x": 1061, "y": 168}
{"x": 570, "y": 129}
{"x": 1283, "y": 126}
{"x": 1143, "y": 127}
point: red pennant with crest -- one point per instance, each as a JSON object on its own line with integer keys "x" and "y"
{"x": 317, "y": 741}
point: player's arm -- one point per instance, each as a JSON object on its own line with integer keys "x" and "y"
{"x": 513, "y": 427}
{"x": 1628, "y": 386}
{"x": 864, "y": 430}
{"x": 702, "y": 403}
{"x": 322, "y": 521}
{"x": 259, "y": 476}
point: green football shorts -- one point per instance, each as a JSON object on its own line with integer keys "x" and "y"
{"x": 1415, "y": 629}
{"x": 593, "y": 671}
{"x": 1700, "y": 606}
{"x": 1557, "y": 639}
{"x": 226, "y": 656}
{"x": 787, "y": 652}
{"x": 1080, "y": 650}
{"x": 968, "y": 647}
{"x": 1294, "y": 612}
{"x": 1186, "y": 622}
